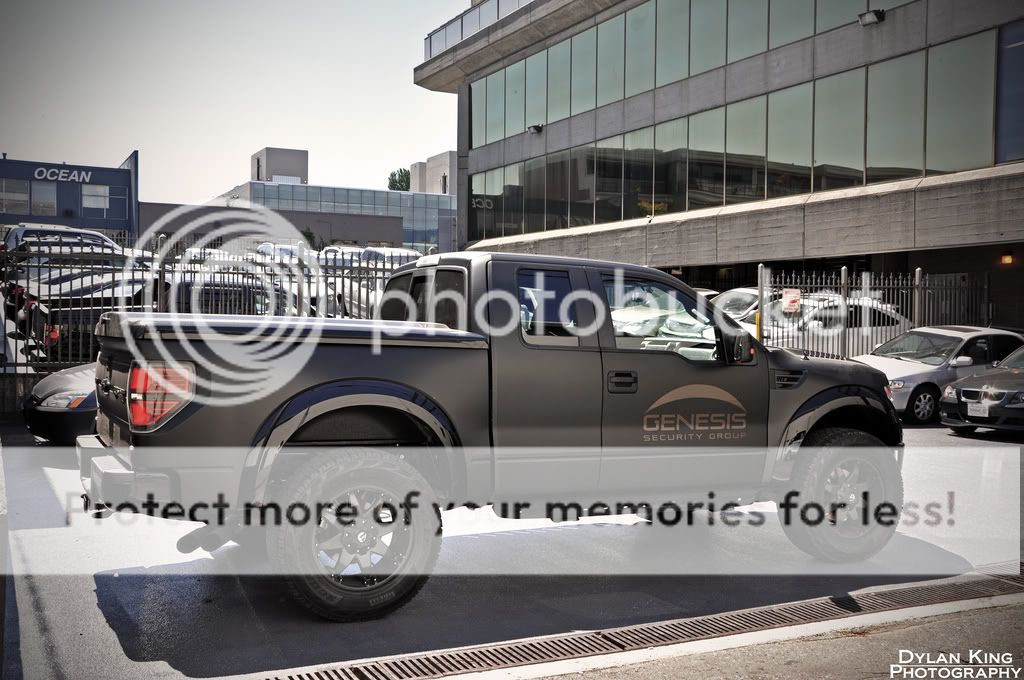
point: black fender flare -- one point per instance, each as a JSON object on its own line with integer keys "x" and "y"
{"x": 308, "y": 405}
{"x": 828, "y": 401}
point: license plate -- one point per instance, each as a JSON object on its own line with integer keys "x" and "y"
{"x": 977, "y": 410}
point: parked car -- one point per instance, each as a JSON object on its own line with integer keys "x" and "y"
{"x": 994, "y": 399}
{"x": 818, "y": 324}
{"x": 921, "y": 362}
{"x": 739, "y": 303}
{"x": 383, "y": 408}
{"x": 62, "y": 405}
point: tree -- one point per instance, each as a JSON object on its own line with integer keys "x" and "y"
{"x": 399, "y": 180}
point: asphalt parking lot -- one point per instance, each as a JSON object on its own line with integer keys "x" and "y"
{"x": 133, "y": 620}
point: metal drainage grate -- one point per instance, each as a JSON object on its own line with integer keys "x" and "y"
{"x": 642, "y": 636}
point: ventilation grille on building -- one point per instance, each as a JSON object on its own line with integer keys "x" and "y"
{"x": 524, "y": 652}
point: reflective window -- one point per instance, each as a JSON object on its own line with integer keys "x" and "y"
{"x": 611, "y": 59}
{"x": 537, "y": 89}
{"x": 581, "y": 186}
{"x": 470, "y": 22}
{"x": 478, "y": 206}
{"x": 559, "y": 58}
{"x": 608, "y": 173}
{"x": 506, "y": 7}
{"x": 542, "y": 319}
{"x": 896, "y": 118}
{"x": 515, "y": 98}
{"x": 488, "y": 12}
{"x": 790, "y": 122}
{"x": 790, "y": 20}
{"x": 556, "y": 213}
{"x": 478, "y": 113}
{"x": 649, "y": 315}
{"x": 44, "y": 198}
{"x": 707, "y": 150}
{"x": 533, "y": 193}
{"x": 495, "y": 190}
{"x": 14, "y": 196}
{"x": 495, "y": 107}
{"x": 1010, "y": 116}
{"x": 640, "y": 49}
{"x": 839, "y": 130}
{"x": 832, "y": 13}
{"x": 512, "y": 222}
{"x": 745, "y": 133}
{"x": 584, "y": 71}
{"x": 748, "y": 28}
{"x": 638, "y": 173}
{"x": 961, "y": 78}
{"x": 707, "y": 35}
{"x": 673, "y": 41}
{"x": 670, "y": 167}
{"x": 453, "y": 33}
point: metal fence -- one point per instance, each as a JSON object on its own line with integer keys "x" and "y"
{"x": 843, "y": 315}
{"x": 55, "y": 289}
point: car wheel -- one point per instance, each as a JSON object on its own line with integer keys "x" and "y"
{"x": 370, "y": 561}
{"x": 961, "y": 430}
{"x": 848, "y": 475}
{"x": 923, "y": 405}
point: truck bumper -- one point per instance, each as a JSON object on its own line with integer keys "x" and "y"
{"x": 108, "y": 482}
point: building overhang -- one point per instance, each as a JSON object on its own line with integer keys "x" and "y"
{"x": 534, "y": 23}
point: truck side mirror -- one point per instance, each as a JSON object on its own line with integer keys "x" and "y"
{"x": 736, "y": 345}
{"x": 962, "y": 362}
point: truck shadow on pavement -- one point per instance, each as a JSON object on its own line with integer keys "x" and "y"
{"x": 206, "y": 626}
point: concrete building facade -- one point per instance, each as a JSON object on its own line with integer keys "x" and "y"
{"x": 704, "y": 136}
{"x": 434, "y": 175}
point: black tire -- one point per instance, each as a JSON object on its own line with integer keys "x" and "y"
{"x": 923, "y": 405}
{"x": 961, "y": 430}
{"x": 843, "y": 536}
{"x": 372, "y": 480}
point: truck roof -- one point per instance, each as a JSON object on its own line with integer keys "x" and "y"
{"x": 466, "y": 257}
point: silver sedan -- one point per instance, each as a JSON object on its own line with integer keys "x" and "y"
{"x": 921, "y": 362}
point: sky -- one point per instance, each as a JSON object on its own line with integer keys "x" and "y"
{"x": 198, "y": 86}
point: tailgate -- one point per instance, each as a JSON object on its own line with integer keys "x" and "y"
{"x": 112, "y": 397}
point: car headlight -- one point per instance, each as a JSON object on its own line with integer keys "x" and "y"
{"x": 1016, "y": 401}
{"x": 68, "y": 400}
{"x": 949, "y": 393}
{"x": 896, "y": 384}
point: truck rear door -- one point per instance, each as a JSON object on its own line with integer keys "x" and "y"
{"x": 546, "y": 382}
{"x": 675, "y": 413}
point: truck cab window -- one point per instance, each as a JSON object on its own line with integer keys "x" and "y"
{"x": 543, "y": 319}
{"x": 650, "y": 315}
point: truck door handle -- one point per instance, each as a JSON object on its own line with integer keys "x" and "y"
{"x": 622, "y": 382}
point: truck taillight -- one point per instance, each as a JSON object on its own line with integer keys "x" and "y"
{"x": 156, "y": 392}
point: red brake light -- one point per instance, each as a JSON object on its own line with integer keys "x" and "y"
{"x": 156, "y": 392}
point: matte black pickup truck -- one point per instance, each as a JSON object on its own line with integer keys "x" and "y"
{"x": 592, "y": 381}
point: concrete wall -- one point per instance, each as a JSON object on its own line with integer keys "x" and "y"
{"x": 271, "y": 161}
{"x": 971, "y": 208}
{"x": 328, "y": 227}
{"x": 436, "y": 175}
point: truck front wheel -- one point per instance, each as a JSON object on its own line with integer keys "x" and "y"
{"x": 371, "y": 539}
{"x": 845, "y": 497}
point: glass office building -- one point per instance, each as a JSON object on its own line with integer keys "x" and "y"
{"x": 951, "y": 106}
{"x": 427, "y": 219}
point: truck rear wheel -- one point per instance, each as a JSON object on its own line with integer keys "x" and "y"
{"x": 834, "y": 471}
{"x": 372, "y": 539}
